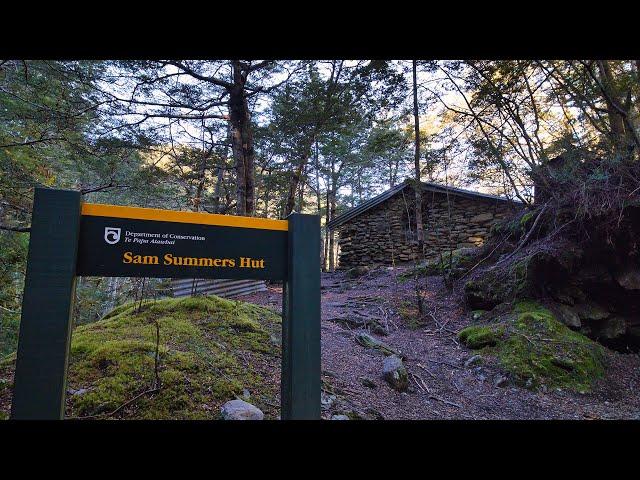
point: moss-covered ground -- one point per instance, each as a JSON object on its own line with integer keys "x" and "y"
{"x": 537, "y": 349}
{"x": 211, "y": 350}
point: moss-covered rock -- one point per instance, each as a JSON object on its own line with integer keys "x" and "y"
{"x": 479, "y": 336}
{"x": 395, "y": 373}
{"x": 497, "y": 286}
{"x": 477, "y": 314}
{"x": 210, "y": 351}
{"x": 369, "y": 341}
{"x": 536, "y": 348}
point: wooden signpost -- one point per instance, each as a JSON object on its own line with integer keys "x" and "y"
{"x": 69, "y": 239}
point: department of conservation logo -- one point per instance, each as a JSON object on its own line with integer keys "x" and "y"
{"x": 111, "y": 235}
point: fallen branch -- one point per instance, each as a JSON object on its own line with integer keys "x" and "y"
{"x": 485, "y": 258}
{"x": 445, "y": 401}
{"x": 526, "y": 237}
{"x": 125, "y": 404}
{"x": 444, "y": 363}
{"x": 421, "y": 383}
{"x": 15, "y": 229}
{"x": 426, "y": 370}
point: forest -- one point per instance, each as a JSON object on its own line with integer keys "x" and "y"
{"x": 539, "y": 319}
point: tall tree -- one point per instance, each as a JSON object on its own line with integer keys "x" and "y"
{"x": 416, "y": 159}
{"x": 195, "y": 95}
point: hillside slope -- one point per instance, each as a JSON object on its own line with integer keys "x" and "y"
{"x": 210, "y": 350}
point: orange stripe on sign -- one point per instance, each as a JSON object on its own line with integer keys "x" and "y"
{"x": 136, "y": 213}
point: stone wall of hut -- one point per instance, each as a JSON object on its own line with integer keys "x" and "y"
{"x": 385, "y": 234}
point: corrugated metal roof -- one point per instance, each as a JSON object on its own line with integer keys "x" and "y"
{"x": 184, "y": 287}
{"x": 429, "y": 186}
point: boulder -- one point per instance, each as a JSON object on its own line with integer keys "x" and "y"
{"x": 613, "y": 328}
{"x": 629, "y": 278}
{"x": 568, "y": 316}
{"x": 326, "y": 400}
{"x": 633, "y": 331}
{"x": 569, "y": 294}
{"x": 395, "y": 374}
{"x": 339, "y": 417}
{"x": 241, "y": 410}
{"x": 594, "y": 273}
{"x": 590, "y": 311}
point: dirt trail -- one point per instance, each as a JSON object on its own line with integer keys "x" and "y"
{"x": 442, "y": 387}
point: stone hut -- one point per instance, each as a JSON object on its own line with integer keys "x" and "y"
{"x": 381, "y": 231}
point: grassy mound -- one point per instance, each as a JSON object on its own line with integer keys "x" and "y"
{"x": 211, "y": 350}
{"x": 537, "y": 349}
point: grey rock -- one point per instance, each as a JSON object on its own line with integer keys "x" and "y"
{"x": 501, "y": 381}
{"x": 395, "y": 374}
{"x": 568, "y": 316}
{"x": 367, "y": 382}
{"x": 473, "y": 360}
{"x": 339, "y": 417}
{"x": 241, "y": 410}
{"x": 326, "y": 401}
{"x": 80, "y": 391}
{"x": 629, "y": 278}
{"x": 591, "y": 311}
{"x": 613, "y": 328}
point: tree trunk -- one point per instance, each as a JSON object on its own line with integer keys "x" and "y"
{"x": 616, "y": 120}
{"x": 202, "y": 177}
{"x": 242, "y": 142}
{"x": 294, "y": 181}
{"x": 332, "y": 254}
{"x": 327, "y": 231}
{"x": 416, "y": 158}
{"x": 300, "y": 197}
{"x": 267, "y": 194}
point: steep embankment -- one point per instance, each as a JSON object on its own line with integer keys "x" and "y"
{"x": 210, "y": 350}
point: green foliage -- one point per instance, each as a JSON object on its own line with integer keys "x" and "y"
{"x": 9, "y": 328}
{"x": 13, "y": 258}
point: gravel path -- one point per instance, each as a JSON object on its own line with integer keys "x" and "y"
{"x": 442, "y": 387}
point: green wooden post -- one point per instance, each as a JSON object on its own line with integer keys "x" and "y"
{"x": 300, "y": 382}
{"x": 47, "y": 303}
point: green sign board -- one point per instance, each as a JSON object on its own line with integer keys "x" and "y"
{"x": 69, "y": 239}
